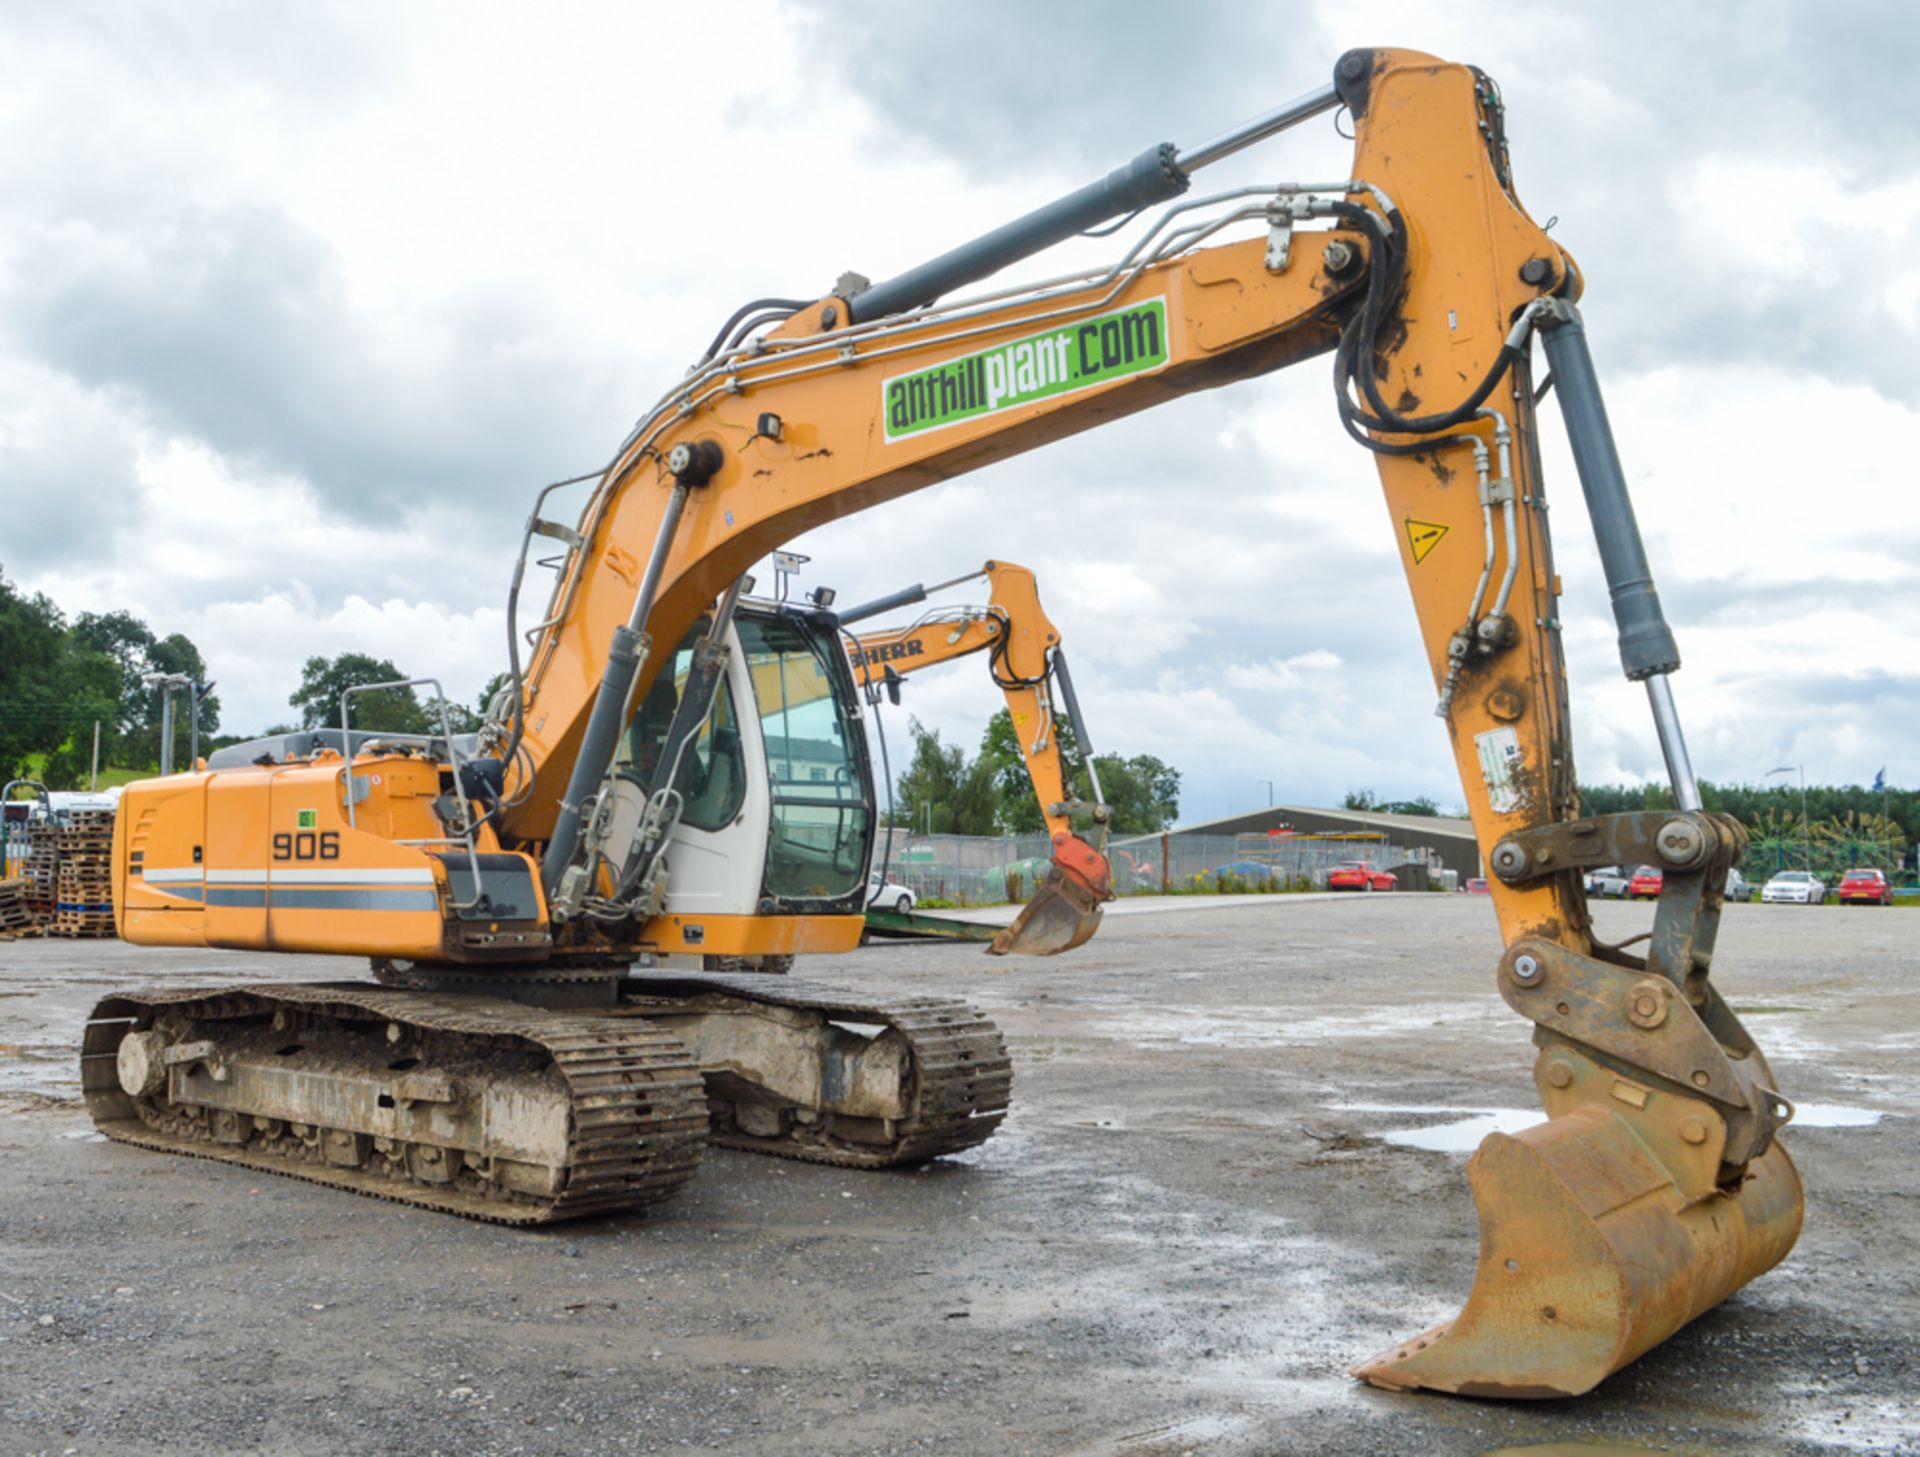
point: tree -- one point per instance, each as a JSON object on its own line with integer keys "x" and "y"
{"x": 1142, "y": 791}
{"x": 133, "y": 732}
{"x": 1363, "y": 800}
{"x": 51, "y": 687}
{"x": 89, "y": 687}
{"x": 1019, "y": 807}
{"x": 491, "y": 691}
{"x": 1854, "y": 838}
{"x": 460, "y": 718}
{"x": 1776, "y": 840}
{"x": 942, "y": 793}
{"x": 127, "y": 640}
{"x": 390, "y": 710}
{"x": 1844, "y": 824}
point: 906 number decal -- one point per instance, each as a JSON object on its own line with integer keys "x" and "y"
{"x": 306, "y": 845}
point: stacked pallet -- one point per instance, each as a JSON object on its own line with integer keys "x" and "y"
{"x": 41, "y": 869}
{"x": 83, "y": 886}
{"x": 16, "y": 915}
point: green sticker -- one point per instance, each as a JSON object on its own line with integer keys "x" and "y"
{"x": 309, "y": 819}
{"x": 1072, "y": 357}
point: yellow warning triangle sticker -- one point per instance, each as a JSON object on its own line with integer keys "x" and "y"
{"x": 1424, "y": 536}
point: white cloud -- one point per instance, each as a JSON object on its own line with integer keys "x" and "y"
{"x": 295, "y": 312}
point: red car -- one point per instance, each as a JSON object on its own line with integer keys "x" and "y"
{"x": 1865, "y": 888}
{"x": 1645, "y": 884}
{"x": 1358, "y": 875}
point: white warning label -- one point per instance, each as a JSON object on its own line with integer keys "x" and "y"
{"x": 1500, "y": 764}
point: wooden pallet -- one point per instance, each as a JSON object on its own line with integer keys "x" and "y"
{"x": 16, "y": 912}
{"x": 41, "y": 868}
{"x": 81, "y": 928}
{"x": 69, "y": 876}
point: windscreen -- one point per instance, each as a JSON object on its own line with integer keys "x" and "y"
{"x": 822, "y": 815}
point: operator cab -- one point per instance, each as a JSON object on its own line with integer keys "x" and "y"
{"x": 795, "y": 837}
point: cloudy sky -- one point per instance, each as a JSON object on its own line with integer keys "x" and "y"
{"x": 299, "y": 304}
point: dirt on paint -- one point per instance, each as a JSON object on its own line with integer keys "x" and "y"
{"x": 1206, "y": 1204}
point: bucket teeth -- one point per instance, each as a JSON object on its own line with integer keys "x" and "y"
{"x": 1590, "y": 1255}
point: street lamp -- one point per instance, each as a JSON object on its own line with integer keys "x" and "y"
{"x": 1806, "y": 845}
{"x": 167, "y": 683}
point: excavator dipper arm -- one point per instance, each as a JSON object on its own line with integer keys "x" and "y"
{"x": 1024, "y": 654}
{"x": 1656, "y": 1187}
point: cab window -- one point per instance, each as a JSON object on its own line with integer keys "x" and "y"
{"x": 821, "y": 830}
{"x": 712, "y": 779}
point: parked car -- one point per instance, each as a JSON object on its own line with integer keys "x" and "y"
{"x": 887, "y": 895}
{"x": 1609, "y": 881}
{"x": 1359, "y": 875}
{"x": 1646, "y": 883}
{"x": 1739, "y": 888}
{"x": 1477, "y": 886}
{"x": 1794, "y": 888}
{"x": 1865, "y": 888}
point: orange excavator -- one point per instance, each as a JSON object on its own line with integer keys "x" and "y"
{"x": 507, "y": 1063}
{"x": 1027, "y": 661}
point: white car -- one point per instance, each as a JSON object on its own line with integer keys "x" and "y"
{"x": 884, "y": 895}
{"x": 1609, "y": 881}
{"x": 1794, "y": 887}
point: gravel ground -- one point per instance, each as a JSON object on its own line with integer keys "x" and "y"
{"x": 1202, "y": 1209}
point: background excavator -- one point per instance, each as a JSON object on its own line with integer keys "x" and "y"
{"x": 1027, "y": 660}
{"x": 511, "y": 1068}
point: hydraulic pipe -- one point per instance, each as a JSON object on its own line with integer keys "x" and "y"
{"x": 1081, "y": 738}
{"x": 690, "y": 715}
{"x": 1648, "y": 652}
{"x": 1301, "y": 108}
{"x": 918, "y": 592}
{"x": 609, "y": 713}
{"x": 657, "y": 559}
{"x": 1158, "y": 174}
{"x": 905, "y": 597}
{"x": 1673, "y": 745}
{"x": 1149, "y": 178}
{"x": 1646, "y": 642}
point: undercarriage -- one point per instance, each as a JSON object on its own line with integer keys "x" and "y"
{"x": 468, "y": 1102}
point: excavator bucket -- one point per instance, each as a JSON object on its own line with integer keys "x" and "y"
{"x": 1592, "y": 1252}
{"x": 1065, "y": 911}
{"x": 1063, "y": 914}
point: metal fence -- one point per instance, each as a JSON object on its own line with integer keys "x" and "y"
{"x": 989, "y": 869}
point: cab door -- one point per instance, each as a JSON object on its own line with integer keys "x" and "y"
{"x": 714, "y": 858}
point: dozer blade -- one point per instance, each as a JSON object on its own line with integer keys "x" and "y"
{"x": 1590, "y": 1255}
{"x": 1063, "y": 914}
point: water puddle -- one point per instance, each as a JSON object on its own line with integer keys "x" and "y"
{"x": 36, "y": 1067}
{"x": 1162, "y": 1027}
{"x": 1463, "y": 1134}
{"x": 1834, "y": 1115}
{"x": 1595, "y": 1448}
{"x": 36, "y": 1051}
